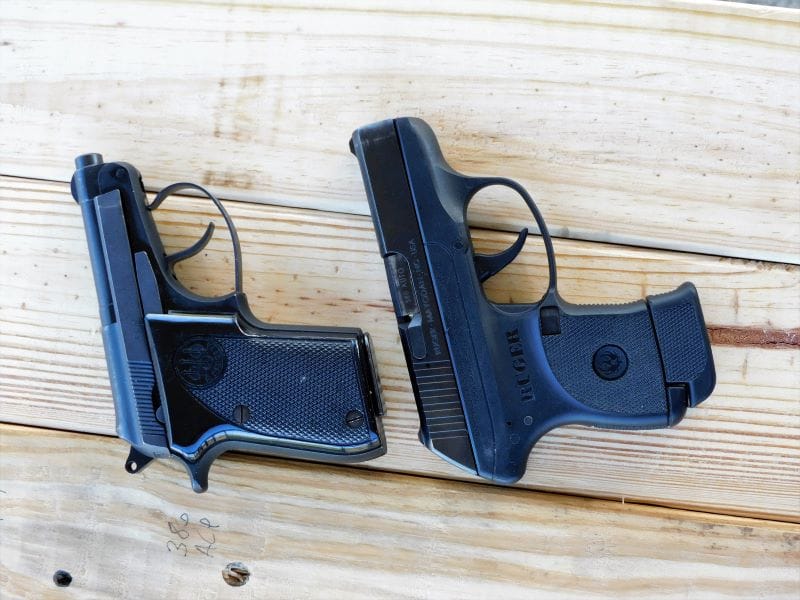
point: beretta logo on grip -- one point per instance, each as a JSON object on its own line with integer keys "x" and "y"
{"x": 200, "y": 362}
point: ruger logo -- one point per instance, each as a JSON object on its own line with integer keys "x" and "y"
{"x": 520, "y": 365}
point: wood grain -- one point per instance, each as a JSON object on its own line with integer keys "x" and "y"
{"x": 663, "y": 124}
{"x": 739, "y": 452}
{"x": 309, "y": 531}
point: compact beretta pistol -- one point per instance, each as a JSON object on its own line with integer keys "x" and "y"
{"x": 491, "y": 379}
{"x": 193, "y": 377}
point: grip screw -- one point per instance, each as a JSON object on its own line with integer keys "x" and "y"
{"x": 354, "y": 419}
{"x": 241, "y": 414}
{"x": 119, "y": 173}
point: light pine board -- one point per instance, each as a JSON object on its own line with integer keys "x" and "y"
{"x": 660, "y": 124}
{"x": 307, "y": 531}
{"x": 739, "y": 452}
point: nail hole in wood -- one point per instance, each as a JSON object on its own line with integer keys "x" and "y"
{"x": 235, "y": 574}
{"x": 62, "y": 578}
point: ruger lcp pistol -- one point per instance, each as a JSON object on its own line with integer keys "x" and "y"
{"x": 193, "y": 377}
{"x": 490, "y": 379}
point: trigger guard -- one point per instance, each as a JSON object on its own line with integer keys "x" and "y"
{"x": 200, "y": 244}
{"x": 472, "y": 185}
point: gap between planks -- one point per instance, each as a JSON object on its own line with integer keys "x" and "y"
{"x": 641, "y": 123}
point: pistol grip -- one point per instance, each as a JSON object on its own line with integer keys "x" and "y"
{"x": 282, "y": 391}
{"x": 635, "y": 365}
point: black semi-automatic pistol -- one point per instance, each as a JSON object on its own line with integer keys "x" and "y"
{"x": 193, "y": 377}
{"x": 491, "y": 379}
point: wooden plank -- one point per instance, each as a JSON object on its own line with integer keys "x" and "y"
{"x": 739, "y": 452}
{"x": 309, "y": 531}
{"x": 666, "y": 124}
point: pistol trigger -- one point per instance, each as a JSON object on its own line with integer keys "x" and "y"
{"x": 195, "y": 248}
{"x": 487, "y": 265}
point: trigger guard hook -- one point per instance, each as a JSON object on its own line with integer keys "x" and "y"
{"x": 206, "y": 237}
{"x": 472, "y": 185}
